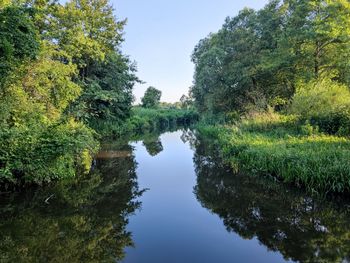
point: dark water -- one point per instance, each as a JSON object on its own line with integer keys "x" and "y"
{"x": 170, "y": 199}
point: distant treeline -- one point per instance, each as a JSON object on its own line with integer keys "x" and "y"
{"x": 148, "y": 120}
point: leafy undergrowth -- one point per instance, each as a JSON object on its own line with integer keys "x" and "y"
{"x": 282, "y": 146}
{"x": 38, "y": 154}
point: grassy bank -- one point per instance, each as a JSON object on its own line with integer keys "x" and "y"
{"x": 146, "y": 120}
{"x": 287, "y": 148}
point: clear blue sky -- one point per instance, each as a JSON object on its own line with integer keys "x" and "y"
{"x": 161, "y": 34}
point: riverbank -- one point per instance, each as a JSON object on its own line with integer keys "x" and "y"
{"x": 146, "y": 120}
{"x": 134, "y": 179}
{"x": 68, "y": 149}
{"x": 286, "y": 148}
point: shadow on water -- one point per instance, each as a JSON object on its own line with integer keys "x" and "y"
{"x": 83, "y": 220}
{"x": 283, "y": 219}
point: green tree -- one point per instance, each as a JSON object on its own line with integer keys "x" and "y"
{"x": 151, "y": 98}
{"x": 19, "y": 40}
{"x": 228, "y": 73}
{"x": 185, "y": 102}
{"x": 87, "y": 30}
{"x": 107, "y": 90}
{"x": 316, "y": 38}
{"x": 259, "y": 56}
{"x": 58, "y": 62}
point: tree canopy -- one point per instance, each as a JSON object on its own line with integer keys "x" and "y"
{"x": 61, "y": 68}
{"x": 258, "y": 57}
{"x": 151, "y": 99}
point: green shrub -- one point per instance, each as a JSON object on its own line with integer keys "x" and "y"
{"x": 268, "y": 121}
{"x": 324, "y": 103}
{"x": 38, "y": 155}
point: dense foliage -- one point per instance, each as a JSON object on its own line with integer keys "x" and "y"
{"x": 291, "y": 57}
{"x": 324, "y": 103}
{"x": 18, "y": 39}
{"x": 259, "y": 57}
{"x": 60, "y": 68}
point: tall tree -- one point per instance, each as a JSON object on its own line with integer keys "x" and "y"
{"x": 56, "y": 60}
{"x": 151, "y": 98}
{"x": 88, "y": 31}
{"x": 258, "y": 56}
{"x": 108, "y": 90}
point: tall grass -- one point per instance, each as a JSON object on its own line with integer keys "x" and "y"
{"x": 282, "y": 146}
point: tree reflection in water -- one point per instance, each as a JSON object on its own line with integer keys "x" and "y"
{"x": 85, "y": 220}
{"x": 153, "y": 144}
{"x": 283, "y": 219}
{"x": 77, "y": 221}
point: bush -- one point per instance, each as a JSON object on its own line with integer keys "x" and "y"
{"x": 38, "y": 155}
{"x": 269, "y": 121}
{"x": 324, "y": 103}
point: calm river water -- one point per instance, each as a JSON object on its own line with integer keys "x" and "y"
{"x": 170, "y": 199}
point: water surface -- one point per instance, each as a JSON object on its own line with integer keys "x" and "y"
{"x": 170, "y": 198}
